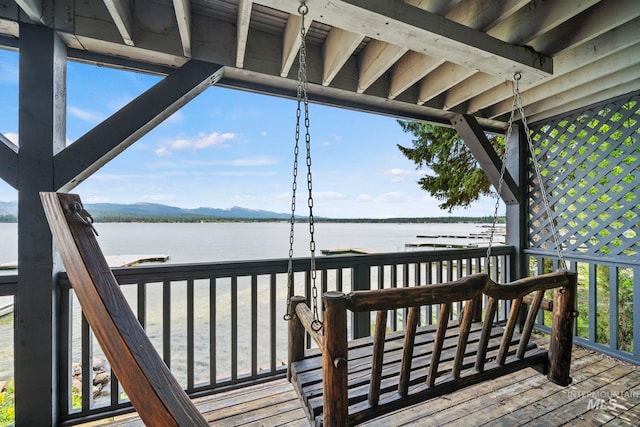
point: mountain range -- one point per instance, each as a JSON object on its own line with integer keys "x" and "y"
{"x": 157, "y": 210}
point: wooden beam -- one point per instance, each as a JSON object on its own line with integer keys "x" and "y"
{"x": 104, "y": 142}
{"x": 484, "y": 14}
{"x": 336, "y": 50}
{"x": 585, "y": 93}
{"x": 375, "y": 59}
{"x": 530, "y": 22}
{"x": 183, "y": 17}
{"x": 33, "y": 9}
{"x": 572, "y": 61}
{"x": 474, "y": 85}
{"x": 291, "y": 41}
{"x": 42, "y": 130}
{"x": 8, "y": 161}
{"x": 242, "y": 24}
{"x": 410, "y": 69}
{"x": 568, "y": 101}
{"x": 616, "y": 67}
{"x": 477, "y": 142}
{"x": 444, "y": 77}
{"x": 598, "y": 20}
{"x": 398, "y": 23}
{"x": 121, "y": 12}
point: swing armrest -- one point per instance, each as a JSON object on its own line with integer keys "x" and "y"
{"x": 527, "y": 285}
{"x": 305, "y": 316}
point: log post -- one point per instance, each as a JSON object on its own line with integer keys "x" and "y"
{"x": 296, "y": 336}
{"x": 564, "y": 313}
{"x": 334, "y": 360}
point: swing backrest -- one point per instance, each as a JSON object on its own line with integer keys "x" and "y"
{"x": 152, "y": 389}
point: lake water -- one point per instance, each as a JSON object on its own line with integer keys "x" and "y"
{"x": 209, "y": 242}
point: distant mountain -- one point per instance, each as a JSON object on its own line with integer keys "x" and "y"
{"x": 159, "y": 210}
{"x": 8, "y": 208}
{"x": 111, "y": 211}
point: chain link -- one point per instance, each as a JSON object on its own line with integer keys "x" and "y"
{"x": 518, "y": 105}
{"x": 303, "y": 99}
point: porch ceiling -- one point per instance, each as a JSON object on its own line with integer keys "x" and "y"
{"x": 420, "y": 59}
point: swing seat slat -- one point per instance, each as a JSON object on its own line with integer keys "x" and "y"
{"x": 346, "y": 383}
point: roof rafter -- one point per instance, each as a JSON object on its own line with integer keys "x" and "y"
{"x": 183, "y": 17}
{"x": 376, "y": 58}
{"x": 398, "y": 23}
{"x": 336, "y": 50}
{"x": 121, "y": 12}
{"x": 244, "y": 17}
{"x": 581, "y": 56}
{"x": 33, "y": 9}
{"x": 619, "y": 61}
{"x": 292, "y": 40}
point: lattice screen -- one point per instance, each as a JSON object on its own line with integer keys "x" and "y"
{"x": 590, "y": 164}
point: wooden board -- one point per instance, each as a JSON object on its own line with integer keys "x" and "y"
{"x": 307, "y": 373}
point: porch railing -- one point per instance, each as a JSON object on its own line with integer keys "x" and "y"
{"x": 220, "y": 325}
{"x": 607, "y": 301}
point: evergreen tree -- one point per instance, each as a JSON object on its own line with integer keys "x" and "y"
{"x": 453, "y": 175}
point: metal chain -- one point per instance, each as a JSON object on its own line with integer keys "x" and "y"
{"x": 302, "y": 98}
{"x": 517, "y": 104}
{"x": 543, "y": 191}
{"x": 503, "y": 168}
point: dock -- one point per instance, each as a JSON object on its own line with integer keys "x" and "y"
{"x": 348, "y": 251}
{"x": 113, "y": 261}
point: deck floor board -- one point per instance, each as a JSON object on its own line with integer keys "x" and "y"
{"x": 522, "y": 398}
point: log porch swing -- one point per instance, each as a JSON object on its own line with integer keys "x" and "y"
{"x": 345, "y": 382}
{"x": 341, "y": 383}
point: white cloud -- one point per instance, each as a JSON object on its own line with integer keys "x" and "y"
{"x": 400, "y": 175}
{"x": 392, "y": 197}
{"x": 162, "y": 151}
{"x": 177, "y": 117}
{"x": 203, "y": 140}
{"x": 364, "y": 197}
{"x": 86, "y": 115}
{"x": 329, "y": 195}
{"x": 242, "y": 161}
{"x": 264, "y": 133}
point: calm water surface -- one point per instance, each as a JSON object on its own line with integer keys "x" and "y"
{"x": 210, "y": 242}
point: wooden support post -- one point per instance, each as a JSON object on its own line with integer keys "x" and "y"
{"x": 564, "y": 313}
{"x": 296, "y": 335}
{"x": 361, "y": 321}
{"x": 42, "y": 129}
{"x": 334, "y": 361}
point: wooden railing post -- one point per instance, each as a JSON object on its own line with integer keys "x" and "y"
{"x": 564, "y": 313}
{"x": 361, "y": 281}
{"x": 296, "y": 336}
{"x": 334, "y": 360}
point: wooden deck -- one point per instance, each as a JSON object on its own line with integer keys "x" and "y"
{"x": 523, "y": 398}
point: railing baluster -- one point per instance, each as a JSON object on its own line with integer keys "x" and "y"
{"x": 234, "y": 328}
{"x": 213, "y": 375}
{"x": 254, "y": 324}
{"x": 166, "y": 322}
{"x": 190, "y": 334}
{"x": 273, "y": 317}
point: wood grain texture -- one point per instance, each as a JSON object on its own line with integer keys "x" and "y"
{"x": 392, "y": 298}
{"x": 151, "y": 387}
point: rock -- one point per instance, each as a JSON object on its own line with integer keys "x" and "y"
{"x": 101, "y": 379}
{"x": 98, "y": 364}
{"x": 76, "y": 369}
{"x": 76, "y": 385}
{"x": 2, "y": 383}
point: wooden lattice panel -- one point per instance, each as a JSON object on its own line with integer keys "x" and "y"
{"x": 590, "y": 165}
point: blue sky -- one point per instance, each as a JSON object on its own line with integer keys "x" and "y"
{"x": 232, "y": 148}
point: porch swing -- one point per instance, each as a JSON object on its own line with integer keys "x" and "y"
{"x": 345, "y": 382}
